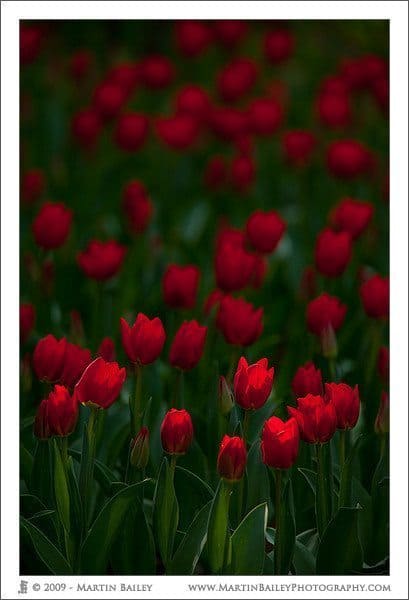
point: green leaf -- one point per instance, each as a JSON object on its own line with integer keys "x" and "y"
{"x": 303, "y": 559}
{"x": 165, "y": 512}
{"x": 103, "y": 475}
{"x": 345, "y": 488}
{"x": 258, "y": 485}
{"x": 96, "y": 546}
{"x": 48, "y": 553}
{"x": 195, "y": 493}
{"x": 340, "y": 552}
{"x": 287, "y": 528}
{"x": 247, "y": 543}
{"x": 310, "y": 539}
{"x": 190, "y": 548}
{"x": 310, "y": 477}
{"x": 41, "y": 484}
{"x": 26, "y": 464}
{"x": 62, "y": 496}
{"x": 218, "y": 538}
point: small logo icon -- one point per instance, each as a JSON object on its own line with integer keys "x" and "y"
{"x": 23, "y": 587}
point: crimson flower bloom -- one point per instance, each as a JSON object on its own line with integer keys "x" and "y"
{"x": 233, "y": 264}
{"x": 279, "y": 443}
{"x": 137, "y": 205}
{"x": 52, "y": 225}
{"x": 49, "y": 357}
{"x": 144, "y": 340}
{"x": 86, "y": 127}
{"x": 317, "y": 419}
{"x": 193, "y": 100}
{"x": 106, "y": 349}
{"x": 31, "y": 40}
{"x": 265, "y": 230}
{"x": 325, "y": 311}
{"x": 236, "y": 79}
{"x": 230, "y": 33}
{"x": 298, "y": 146}
{"x": 188, "y": 345}
{"x": 382, "y": 418}
{"x": 360, "y": 72}
{"x": 131, "y": 131}
{"x": 80, "y": 64}
{"x": 265, "y": 116}
{"x": 215, "y": 175}
{"x": 32, "y": 185}
{"x": 228, "y": 123}
{"x": 346, "y": 402}
{"x": 180, "y": 285}
{"x": 76, "y": 360}
{"x": 334, "y": 109}
{"x": 232, "y": 458}
{"x": 374, "y": 294}
{"x": 176, "y": 431}
{"x": 101, "y": 260}
{"x": 57, "y": 414}
{"x": 278, "y": 45}
{"x": 307, "y": 380}
{"x": 348, "y": 159}
{"x": 27, "y": 319}
{"x": 212, "y": 300}
{"x": 178, "y": 132}
{"x": 125, "y": 75}
{"x": 192, "y": 37}
{"x": 239, "y": 321}
{"x": 108, "y": 99}
{"x": 333, "y": 252}
{"x": 156, "y": 72}
{"x": 253, "y": 383}
{"x": 242, "y": 172}
{"x": 100, "y": 384}
{"x": 383, "y": 363}
{"x": 352, "y": 216}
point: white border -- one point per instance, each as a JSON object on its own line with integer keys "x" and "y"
{"x": 176, "y": 587}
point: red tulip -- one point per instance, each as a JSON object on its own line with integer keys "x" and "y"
{"x": 31, "y": 41}
{"x": 361, "y": 71}
{"x": 49, "y": 357}
{"x": 298, "y": 146}
{"x": 57, "y": 414}
{"x": 325, "y": 311}
{"x": 265, "y": 116}
{"x": 242, "y": 172}
{"x": 317, "y": 419}
{"x": 380, "y": 92}
{"x": 346, "y": 402}
{"x": 334, "y": 109}
{"x": 76, "y": 360}
{"x": 52, "y": 225}
{"x": 352, "y": 216}
{"x": 131, "y": 131}
{"x": 230, "y": 33}
{"x": 32, "y": 185}
{"x": 86, "y": 127}
{"x": 156, "y": 71}
{"x": 27, "y": 319}
{"x": 176, "y": 431}
{"x": 193, "y": 100}
{"x": 108, "y": 99}
{"x": 232, "y": 458}
{"x": 375, "y": 297}
{"x": 212, "y": 300}
{"x": 265, "y": 230}
{"x": 253, "y": 383}
{"x": 101, "y": 260}
{"x": 215, "y": 175}
{"x": 382, "y": 418}
{"x": 333, "y": 252}
{"x": 106, "y": 349}
{"x": 348, "y": 159}
{"x": 192, "y": 37}
{"x": 240, "y": 323}
{"x": 278, "y": 45}
{"x": 137, "y": 205}
{"x": 178, "y": 132}
{"x": 188, "y": 345}
{"x": 180, "y": 285}
{"x": 259, "y": 271}
{"x": 236, "y": 79}
{"x": 125, "y": 75}
{"x": 80, "y": 64}
{"x": 279, "y": 443}
{"x": 383, "y": 363}
{"x": 233, "y": 264}
{"x": 307, "y": 380}
{"x": 144, "y": 340}
{"x": 228, "y": 123}
{"x": 100, "y": 384}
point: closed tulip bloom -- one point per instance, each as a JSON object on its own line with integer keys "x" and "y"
{"x": 325, "y": 311}
{"x": 86, "y": 127}
{"x": 278, "y": 45}
{"x": 352, "y": 216}
{"x": 232, "y": 458}
{"x": 131, "y": 131}
{"x": 180, "y": 285}
{"x": 188, "y": 345}
{"x": 140, "y": 449}
{"x": 212, "y": 301}
{"x": 106, "y": 349}
{"x": 32, "y": 185}
{"x": 144, "y": 340}
{"x": 80, "y": 64}
{"x": 100, "y": 384}
{"x": 242, "y": 172}
{"x": 265, "y": 116}
{"x": 346, "y": 402}
{"x": 333, "y": 251}
{"x": 317, "y": 419}
{"x": 383, "y": 363}
{"x": 193, "y": 100}
{"x": 57, "y": 414}
{"x": 236, "y": 79}
{"x": 176, "y": 431}
{"x": 52, "y": 225}
{"x": 101, "y": 260}
{"x": 49, "y": 357}
{"x": 307, "y": 380}
{"x": 137, "y": 206}
{"x": 192, "y": 37}
{"x": 31, "y": 41}
{"x": 108, "y": 100}
{"x": 239, "y": 321}
{"x": 76, "y": 360}
{"x": 265, "y": 230}
{"x": 279, "y": 443}
{"x": 233, "y": 264}
{"x": 178, "y": 132}
{"x": 253, "y": 383}
{"x": 124, "y": 74}
{"x": 334, "y": 109}
{"x": 298, "y": 146}
{"x": 27, "y": 319}
{"x": 375, "y": 297}
{"x": 382, "y": 418}
{"x": 230, "y": 33}
{"x": 156, "y": 71}
{"x": 348, "y": 159}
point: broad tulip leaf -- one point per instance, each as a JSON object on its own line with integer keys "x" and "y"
{"x": 247, "y": 543}
{"x": 190, "y": 548}
{"x": 48, "y": 553}
{"x": 310, "y": 477}
{"x": 258, "y": 485}
{"x": 218, "y": 538}
{"x": 342, "y": 535}
{"x": 96, "y": 546}
{"x": 165, "y": 512}
{"x": 195, "y": 493}
{"x": 41, "y": 484}
{"x": 26, "y": 464}
{"x": 345, "y": 488}
{"x": 303, "y": 559}
{"x": 62, "y": 496}
{"x": 102, "y": 473}
{"x": 288, "y": 529}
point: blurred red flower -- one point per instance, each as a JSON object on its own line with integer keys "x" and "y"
{"x": 125, "y": 75}
{"x": 383, "y": 363}
{"x": 334, "y": 109}
{"x": 352, "y": 216}
{"x": 178, "y": 132}
{"x": 230, "y": 33}
{"x": 180, "y": 285}
{"x": 156, "y": 71}
{"x": 212, "y": 300}
{"x": 325, "y": 311}
{"x": 278, "y": 45}
{"x": 265, "y": 116}
{"x": 57, "y": 414}
{"x": 317, "y": 419}
{"x": 76, "y": 359}
{"x": 137, "y": 205}
{"x": 346, "y": 402}
{"x": 49, "y": 357}
{"x": 106, "y": 349}
{"x": 131, "y": 131}
{"x": 253, "y": 383}
{"x": 192, "y": 37}
{"x": 80, "y": 64}
{"x": 236, "y": 79}
{"x": 27, "y": 320}
{"x": 374, "y": 294}
{"x": 144, "y": 340}
{"x": 232, "y": 458}
{"x": 233, "y": 263}
{"x": 52, "y": 225}
{"x": 242, "y": 172}
{"x": 31, "y": 41}
{"x": 100, "y": 384}
{"x": 101, "y": 260}
{"x": 193, "y": 100}
{"x": 228, "y": 123}
{"x": 348, "y": 159}
{"x": 279, "y": 443}
{"x": 307, "y": 380}
{"x": 239, "y": 321}
{"x": 176, "y": 431}
{"x": 265, "y": 230}
{"x": 333, "y": 251}
{"x": 298, "y": 146}
{"x": 108, "y": 99}
{"x": 215, "y": 175}
{"x": 187, "y": 345}
{"x": 32, "y": 185}
{"x": 86, "y": 127}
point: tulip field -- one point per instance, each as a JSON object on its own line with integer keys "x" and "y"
{"x": 204, "y": 297}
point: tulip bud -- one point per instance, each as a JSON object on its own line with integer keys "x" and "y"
{"x": 225, "y": 396}
{"x": 176, "y": 431}
{"x": 232, "y": 458}
{"x": 140, "y": 449}
{"x": 329, "y": 342}
{"x": 253, "y": 383}
{"x": 382, "y": 418}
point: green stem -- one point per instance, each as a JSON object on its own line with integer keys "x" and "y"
{"x": 180, "y": 392}
{"x": 245, "y": 425}
{"x": 332, "y": 369}
{"x": 173, "y": 460}
{"x": 137, "y": 411}
{"x": 321, "y": 504}
{"x": 342, "y": 436}
{"x": 227, "y": 490}
{"x": 87, "y": 462}
{"x": 278, "y": 520}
